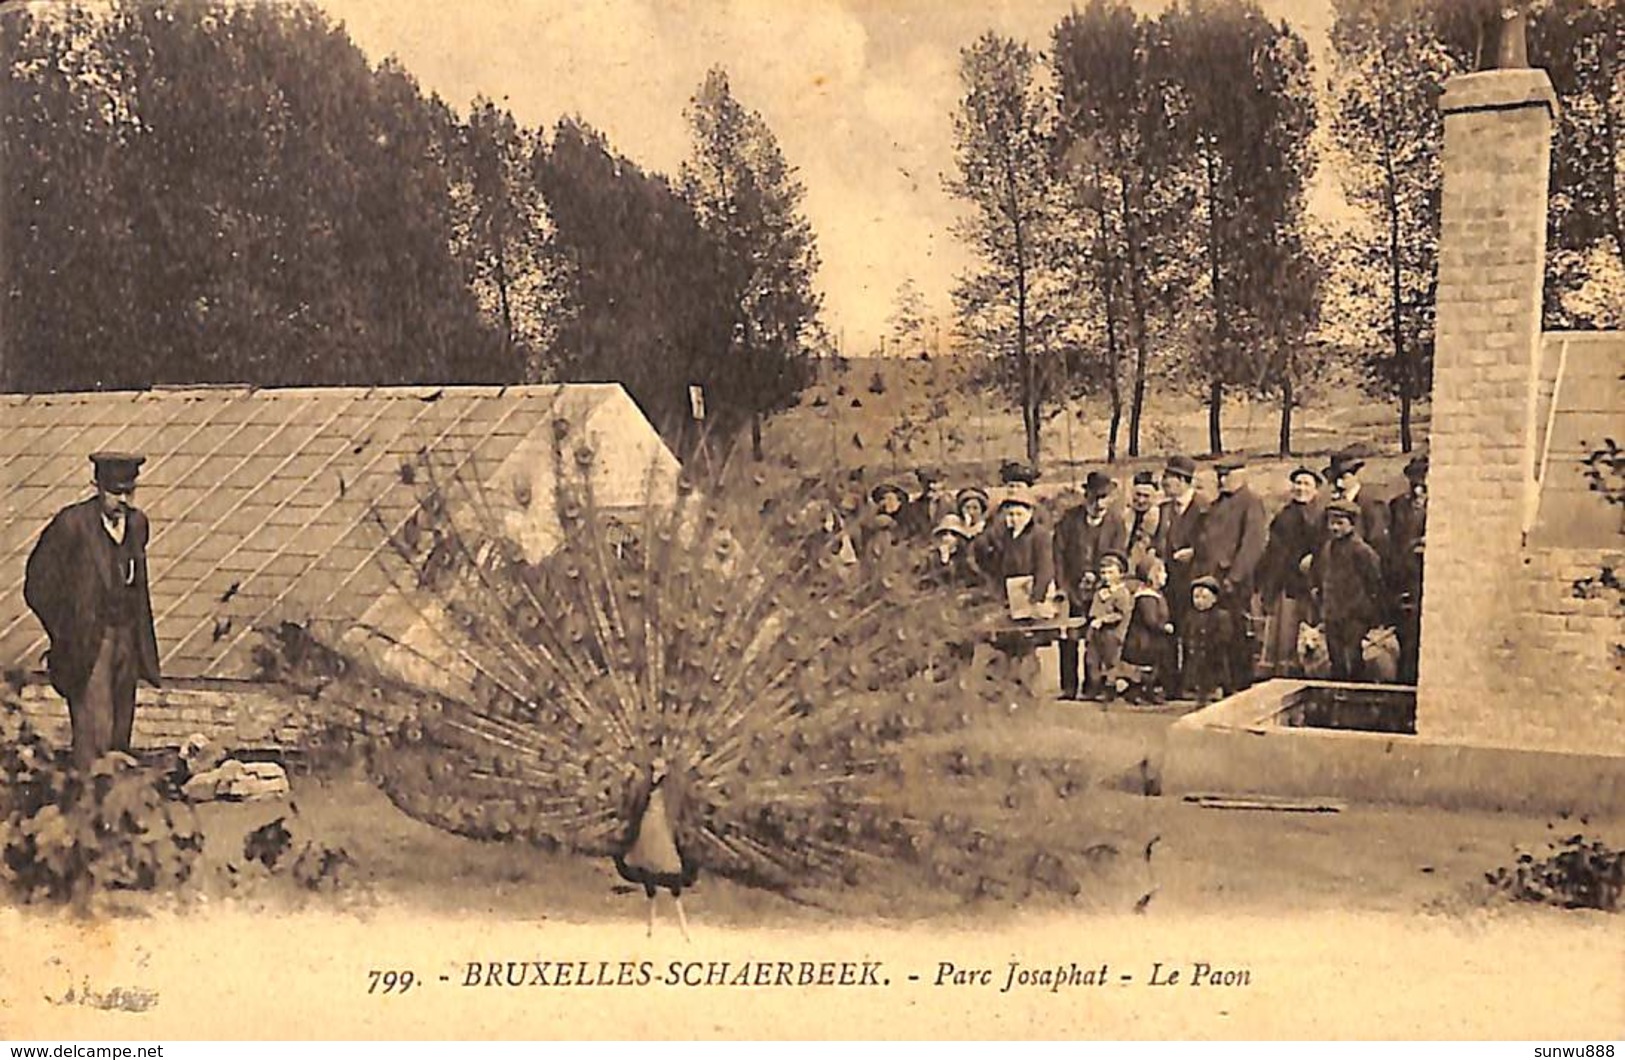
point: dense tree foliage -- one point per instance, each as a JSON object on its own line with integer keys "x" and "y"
{"x": 201, "y": 191}
{"x": 624, "y": 236}
{"x": 1391, "y": 69}
{"x": 1244, "y": 111}
{"x": 1149, "y": 192}
{"x": 907, "y": 323}
{"x": 749, "y": 202}
{"x": 1003, "y": 153}
{"x": 198, "y": 191}
{"x": 1581, "y": 45}
{"x": 211, "y": 192}
{"x": 1113, "y": 80}
{"x": 502, "y": 233}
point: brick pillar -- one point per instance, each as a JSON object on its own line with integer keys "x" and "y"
{"x": 1492, "y": 253}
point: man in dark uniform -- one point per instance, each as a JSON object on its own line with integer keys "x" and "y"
{"x": 1230, "y": 548}
{"x": 1283, "y": 573}
{"x": 86, "y": 580}
{"x": 1179, "y": 526}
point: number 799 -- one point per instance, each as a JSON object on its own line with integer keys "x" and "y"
{"x": 390, "y": 982}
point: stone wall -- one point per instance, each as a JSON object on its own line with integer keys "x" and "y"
{"x": 1581, "y": 405}
{"x": 1514, "y": 652}
{"x": 1556, "y": 679}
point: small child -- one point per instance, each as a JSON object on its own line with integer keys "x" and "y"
{"x": 1208, "y": 638}
{"x": 1346, "y": 577}
{"x": 1149, "y": 643}
{"x": 1109, "y": 610}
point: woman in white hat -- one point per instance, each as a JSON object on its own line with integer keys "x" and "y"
{"x": 951, "y": 563}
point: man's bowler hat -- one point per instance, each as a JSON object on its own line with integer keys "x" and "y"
{"x": 1303, "y": 471}
{"x": 1181, "y": 465}
{"x": 1099, "y": 484}
{"x": 1345, "y": 462}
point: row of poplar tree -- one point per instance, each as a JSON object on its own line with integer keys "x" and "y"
{"x": 1137, "y": 198}
{"x": 209, "y": 192}
{"x": 199, "y": 191}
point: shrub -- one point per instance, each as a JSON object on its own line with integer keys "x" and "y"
{"x": 1605, "y": 471}
{"x": 315, "y": 867}
{"x": 1577, "y": 875}
{"x": 65, "y": 835}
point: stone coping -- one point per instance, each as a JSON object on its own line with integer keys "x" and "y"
{"x": 1237, "y": 747}
{"x": 1498, "y": 90}
{"x": 1259, "y": 706}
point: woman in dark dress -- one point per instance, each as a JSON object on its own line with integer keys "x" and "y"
{"x": 1283, "y": 578}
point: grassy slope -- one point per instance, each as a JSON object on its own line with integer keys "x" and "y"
{"x": 980, "y": 429}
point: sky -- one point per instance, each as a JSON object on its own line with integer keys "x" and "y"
{"x": 859, "y": 93}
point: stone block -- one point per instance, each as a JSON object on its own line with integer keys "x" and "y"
{"x": 1553, "y": 624}
{"x": 1590, "y": 626}
{"x": 238, "y": 781}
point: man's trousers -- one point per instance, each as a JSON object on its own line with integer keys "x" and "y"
{"x": 103, "y": 715}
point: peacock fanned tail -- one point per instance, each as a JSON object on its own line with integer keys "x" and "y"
{"x": 780, "y": 689}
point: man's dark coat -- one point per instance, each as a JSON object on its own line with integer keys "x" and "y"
{"x": 1078, "y": 548}
{"x": 1176, "y": 531}
{"x": 67, "y": 588}
{"x": 1406, "y": 525}
{"x": 1295, "y": 532}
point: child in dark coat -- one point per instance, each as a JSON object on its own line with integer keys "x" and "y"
{"x": 1149, "y": 643}
{"x": 1208, "y": 639}
{"x": 1347, "y": 580}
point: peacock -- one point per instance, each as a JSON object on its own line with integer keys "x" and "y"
{"x": 651, "y": 858}
{"x": 704, "y": 685}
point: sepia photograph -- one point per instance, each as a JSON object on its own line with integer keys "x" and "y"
{"x": 846, "y": 520}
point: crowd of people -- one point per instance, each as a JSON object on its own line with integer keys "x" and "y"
{"x": 1160, "y": 592}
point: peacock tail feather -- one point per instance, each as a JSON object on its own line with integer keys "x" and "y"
{"x": 803, "y": 710}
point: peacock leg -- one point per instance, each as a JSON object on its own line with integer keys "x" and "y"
{"x": 682, "y": 921}
{"x": 651, "y": 932}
